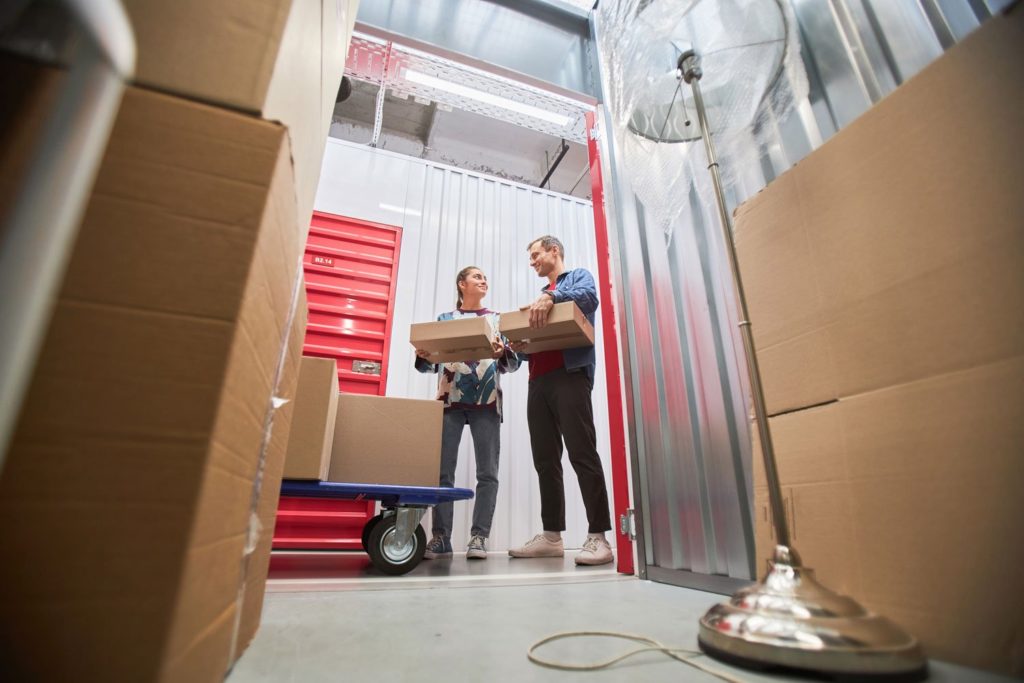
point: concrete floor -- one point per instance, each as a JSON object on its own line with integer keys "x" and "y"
{"x": 331, "y": 617}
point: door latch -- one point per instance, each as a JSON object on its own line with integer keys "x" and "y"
{"x": 366, "y": 367}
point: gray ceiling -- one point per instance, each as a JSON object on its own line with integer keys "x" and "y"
{"x": 461, "y": 139}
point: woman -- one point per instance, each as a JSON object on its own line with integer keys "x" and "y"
{"x": 471, "y": 393}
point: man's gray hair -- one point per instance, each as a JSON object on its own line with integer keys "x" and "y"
{"x": 548, "y": 241}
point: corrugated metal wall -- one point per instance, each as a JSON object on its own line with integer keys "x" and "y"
{"x": 684, "y": 370}
{"x": 451, "y": 219}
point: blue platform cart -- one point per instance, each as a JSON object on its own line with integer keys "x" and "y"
{"x": 394, "y": 539}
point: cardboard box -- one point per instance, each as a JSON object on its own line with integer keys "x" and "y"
{"x": 316, "y": 405}
{"x": 281, "y": 59}
{"x": 129, "y": 480}
{"x": 893, "y": 252}
{"x": 456, "y": 340}
{"x": 282, "y": 428}
{"x": 885, "y": 276}
{"x": 567, "y": 328}
{"x": 908, "y": 499}
{"x": 384, "y": 440}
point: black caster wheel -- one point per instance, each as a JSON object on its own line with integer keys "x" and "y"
{"x": 368, "y": 529}
{"x": 389, "y": 557}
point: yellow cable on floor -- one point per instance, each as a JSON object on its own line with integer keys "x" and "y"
{"x": 680, "y": 654}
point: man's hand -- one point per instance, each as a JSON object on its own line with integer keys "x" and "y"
{"x": 499, "y": 352}
{"x": 518, "y": 346}
{"x": 425, "y": 355}
{"x": 540, "y": 309}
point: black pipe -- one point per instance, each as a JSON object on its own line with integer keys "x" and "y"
{"x": 558, "y": 160}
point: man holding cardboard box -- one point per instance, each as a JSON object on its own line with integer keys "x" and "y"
{"x": 559, "y": 407}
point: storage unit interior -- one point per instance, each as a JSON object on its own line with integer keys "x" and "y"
{"x": 466, "y": 128}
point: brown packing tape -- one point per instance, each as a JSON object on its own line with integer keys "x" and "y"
{"x": 253, "y": 529}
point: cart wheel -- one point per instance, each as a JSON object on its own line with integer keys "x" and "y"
{"x": 388, "y": 557}
{"x": 368, "y": 528}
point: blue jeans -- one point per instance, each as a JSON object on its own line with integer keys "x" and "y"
{"x": 484, "y": 425}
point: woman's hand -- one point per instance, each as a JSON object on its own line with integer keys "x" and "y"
{"x": 500, "y": 351}
{"x": 423, "y": 354}
{"x": 518, "y": 346}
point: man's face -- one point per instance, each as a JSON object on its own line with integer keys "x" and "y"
{"x": 543, "y": 261}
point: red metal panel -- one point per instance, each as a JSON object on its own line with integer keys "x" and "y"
{"x": 320, "y": 524}
{"x": 351, "y": 269}
{"x": 616, "y": 428}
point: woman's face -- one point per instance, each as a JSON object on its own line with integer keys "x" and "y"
{"x": 475, "y": 282}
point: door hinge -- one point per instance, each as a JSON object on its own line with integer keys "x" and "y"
{"x": 627, "y": 524}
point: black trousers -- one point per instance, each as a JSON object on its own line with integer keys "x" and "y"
{"x": 558, "y": 407}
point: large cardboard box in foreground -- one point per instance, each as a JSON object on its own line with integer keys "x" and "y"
{"x": 455, "y": 340}
{"x": 269, "y": 492}
{"x": 886, "y": 282}
{"x": 567, "y": 328}
{"x": 127, "y": 492}
{"x": 894, "y": 251}
{"x": 909, "y": 499}
{"x": 385, "y": 440}
{"x": 281, "y": 59}
{"x": 316, "y": 405}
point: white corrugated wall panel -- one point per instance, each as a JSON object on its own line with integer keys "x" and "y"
{"x": 450, "y": 219}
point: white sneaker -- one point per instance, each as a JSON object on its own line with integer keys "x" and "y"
{"x": 539, "y": 546}
{"x": 477, "y": 548}
{"x": 595, "y": 551}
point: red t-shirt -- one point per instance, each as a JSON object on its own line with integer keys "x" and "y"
{"x": 544, "y": 362}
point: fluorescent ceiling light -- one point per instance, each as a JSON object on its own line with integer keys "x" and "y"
{"x": 486, "y": 97}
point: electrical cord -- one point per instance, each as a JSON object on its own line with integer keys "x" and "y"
{"x": 680, "y": 654}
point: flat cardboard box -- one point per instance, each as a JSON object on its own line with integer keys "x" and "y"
{"x": 282, "y": 427}
{"x": 130, "y": 477}
{"x": 456, "y": 340}
{"x": 567, "y": 328}
{"x": 894, "y": 252}
{"x": 385, "y": 440}
{"x": 908, "y": 499}
{"x": 316, "y": 406}
{"x": 280, "y": 59}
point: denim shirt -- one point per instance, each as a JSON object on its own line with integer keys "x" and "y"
{"x": 578, "y": 285}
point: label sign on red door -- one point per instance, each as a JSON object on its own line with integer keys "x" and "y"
{"x": 323, "y": 261}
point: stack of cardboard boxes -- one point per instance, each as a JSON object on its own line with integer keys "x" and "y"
{"x": 476, "y": 338}
{"x": 887, "y": 301}
{"x": 152, "y": 437}
{"x": 354, "y": 438}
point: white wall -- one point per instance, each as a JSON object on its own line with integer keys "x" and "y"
{"x": 450, "y": 219}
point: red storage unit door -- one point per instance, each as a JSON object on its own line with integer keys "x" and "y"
{"x": 351, "y": 269}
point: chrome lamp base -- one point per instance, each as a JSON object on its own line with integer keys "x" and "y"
{"x": 790, "y": 621}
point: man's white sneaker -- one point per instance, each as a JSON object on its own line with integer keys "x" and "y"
{"x": 539, "y": 546}
{"x": 595, "y": 551}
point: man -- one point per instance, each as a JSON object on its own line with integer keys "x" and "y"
{"x": 558, "y": 407}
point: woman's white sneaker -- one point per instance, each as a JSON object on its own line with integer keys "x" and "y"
{"x": 477, "y": 548}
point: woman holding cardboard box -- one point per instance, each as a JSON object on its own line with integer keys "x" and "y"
{"x": 471, "y": 392}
